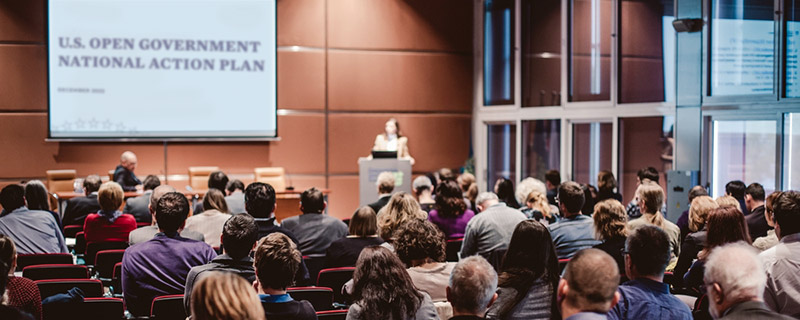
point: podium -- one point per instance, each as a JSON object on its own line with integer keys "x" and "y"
{"x": 368, "y": 171}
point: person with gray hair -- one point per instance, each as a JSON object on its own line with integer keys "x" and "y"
{"x": 472, "y": 288}
{"x": 123, "y": 173}
{"x": 385, "y": 184}
{"x": 144, "y": 234}
{"x": 491, "y": 230}
{"x": 423, "y": 191}
{"x": 735, "y": 280}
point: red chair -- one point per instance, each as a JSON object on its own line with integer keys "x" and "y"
{"x": 452, "y": 249}
{"x": 168, "y": 308}
{"x": 142, "y": 224}
{"x": 332, "y": 315}
{"x": 80, "y": 243}
{"x": 335, "y": 278}
{"x": 104, "y": 262}
{"x": 104, "y": 308}
{"x": 91, "y": 288}
{"x": 116, "y": 279}
{"x": 320, "y": 297}
{"x": 93, "y": 248}
{"x": 55, "y": 271}
{"x": 24, "y": 260}
{"x": 71, "y": 230}
{"x": 562, "y": 263}
{"x": 314, "y": 265}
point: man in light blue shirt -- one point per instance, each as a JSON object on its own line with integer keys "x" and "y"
{"x": 33, "y": 231}
{"x": 575, "y": 231}
{"x": 490, "y": 230}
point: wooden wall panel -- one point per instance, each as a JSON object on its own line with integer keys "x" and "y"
{"x": 25, "y": 154}
{"x": 301, "y": 23}
{"x": 301, "y": 80}
{"x": 343, "y": 199}
{"x": 22, "y": 20}
{"x": 23, "y": 76}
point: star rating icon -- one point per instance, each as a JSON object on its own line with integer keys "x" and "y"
{"x": 93, "y": 123}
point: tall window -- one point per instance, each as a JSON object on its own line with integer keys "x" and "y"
{"x": 541, "y": 147}
{"x": 590, "y": 50}
{"x": 743, "y": 150}
{"x": 541, "y": 53}
{"x": 791, "y": 151}
{"x": 792, "y": 69}
{"x": 591, "y": 150}
{"x": 647, "y": 51}
{"x": 498, "y": 52}
{"x": 502, "y": 153}
{"x": 644, "y": 142}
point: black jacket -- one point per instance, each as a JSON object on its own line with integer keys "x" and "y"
{"x": 78, "y": 208}
{"x": 126, "y": 178}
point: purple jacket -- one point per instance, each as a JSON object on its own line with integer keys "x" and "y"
{"x": 453, "y": 227}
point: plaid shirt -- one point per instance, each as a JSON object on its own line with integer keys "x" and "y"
{"x": 23, "y": 294}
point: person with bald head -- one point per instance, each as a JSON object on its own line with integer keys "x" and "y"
{"x": 588, "y": 289}
{"x": 124, "y": 175}
{"x": 144, "y": 234}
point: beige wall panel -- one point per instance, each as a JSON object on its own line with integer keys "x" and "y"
{"x": 25, "y": 154}
{"x": 22, "y": 20}
{"x": 301, "y": 80}
{"x": 301, "y": 23}
{"x": 23, "y": 76}
{"x": 343, "y": 200}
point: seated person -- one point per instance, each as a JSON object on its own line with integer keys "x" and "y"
{"x": 144, "y": 234}
{"x": 216, "y": 180}
{"x": 276, "y": 261}
{"x": 225, "y": 296}
{"x": 450, "y": 213}
{"x": 314, "y": 229}
{"x": 235, "y": 197}
{"x": 33, "y": 231}
{"x": 124, "y": 175}
{"x": 694, "y": 242}
{"x": 589, "y": 288}
{"x": 38, "y": 198}
{"x": 109, "y": 224}
{"x": 610, "y": 221}
{"x": 363, "y": 232}
{"x": 210, "y": 221}
{"x": 423, "y": 191}
{"x": 138, "y": 206}
{"x": 576, "y": 230}
{"x": 490, "y": 230}
{"x": 159, "y": 266}
{"x": 7, "y": 311}
{"x": 650, "y": 199}
{"x": 78, "y": 208}
{"x": 421, "y": 247}
{"x": 21, "y": 293}
{"x": 470, "y": 289}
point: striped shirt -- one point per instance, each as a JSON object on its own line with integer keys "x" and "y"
{"x": 570, "y": 235}
{"x": 535, "y": 305}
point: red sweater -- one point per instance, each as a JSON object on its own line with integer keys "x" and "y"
{"x": 97, "y": 228}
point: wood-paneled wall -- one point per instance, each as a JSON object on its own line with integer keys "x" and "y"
{"x": 345, "y": 66}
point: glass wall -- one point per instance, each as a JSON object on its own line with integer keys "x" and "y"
{"x": 590, "y": 50}
{"x": 591, "y": 150}
{"x": 743, "y": 150}
{"x": 647, "y": 51}
{"x": 541, "y": 53}
{"x": 498, "y": 52}
{"x": 644, "y": 142}
{"x": 791, "y": 70}
{"x": 791, "y": 151}
{"x": 541, "y": 147}
{"x": 502, "y": 154}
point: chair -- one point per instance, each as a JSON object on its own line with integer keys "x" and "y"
{"x": 274, "y": 176}
{"x": 93, "y": 248}
{"x": 332, "y": 315}
{"x": 320, "y": 297}
{"x": 168, "y": 308}
{"x": 335, "y": 278}
{"x": 142, "y": 224}
{"x": 71, "y": 230}
{"x": 24, "y": 260}
{"x": 452, "y": 249}
{"x": 61, "y": 180}
{"x": 111, "y": 174}
{"x": 92, "y": 288}
{"x": 80, "y": 243}
{"x": 116, "y": 279}
{"x": 55, "y": 271}
{"x": 104, "y": 262}
{"x": 314, "y": 265}
{"x": 104, "y": 308}
{"x": 198, "y": 177}
{"x": 562, "y": 263}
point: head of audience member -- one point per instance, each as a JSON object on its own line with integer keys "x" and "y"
{"x": 651, "y": 199}
{"x": 434, "y": 177}
{"x": 725, "y": 225}
{"x": 528, "y": 185}
{"x": 382, "y": 286}
{"x": 385, "y": 183}
{"x": 699, "y": 210}
{"x": 91, "y": 184}
{"x": 504, "y": 188}
{"x": 449, "y": 199}
{"x": 695, "y": 192}
{"x": 151, "y": 182}
{"x": 445, "y": 173}
{"x": 727, "y": 201}
{"x": 531, "y": 256}
{"x": 538, "y": 201}
{"x": 259, "y": 200}
{"x": 276, "y": 262}
{"x": 570, "y": 199}
{"x": 392, "y": 127}
{"x": 589, "y": 196}
{"x": 233, "y": 186}
{"x": 36, "y": 196}
{"x": 8, "y": 253}
{"x": 12, "y": 197}
{"x": 312, "y": 201}
{"x": 128, "y": 160}
{"x": 401, "y": 208}
{"x": 472, "y": 287}
{"x": 465, "y": 180}
{"x": 110, "y": 196}
{"x": 171, "y": 212}
{"x": 735, "y": 189}
{"x": 239, "y": 236}
{"x": 606, "y": 181}
{"x": 214, "y": 199}
{"x": 647, "y": 253}
{"x": 422, "y": 187}
{"x": 733, "y": 274}
{"x": 769, "y": 213}
{"x": 786, "y": 211}
{"x": 157, "y": 193}
{"x": 217, "y": 180}
{"x": 552, "y": 179}
{"x": 754, "y": 196}
{"x": 225, "y": 296}
{"x": 610, "y": 220}
{"x": 588, "y": 285}
{"x": 648, "y": 173}
{"x": 364, "y": 223}
{"x": 419, "y": 242}
{"x": 485, "y": 200}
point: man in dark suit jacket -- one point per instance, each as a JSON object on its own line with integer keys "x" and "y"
{"x": 124, "y": 175}
{"x": 385, "y": 184}
{"x": 756, "y": 221}
{"x": 79, "y": 207}
{"x": 139, "y": 206}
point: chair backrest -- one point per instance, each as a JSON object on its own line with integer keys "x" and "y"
{"x": 61, "y": 180}
{"x": 104, "y": 308}
{"x": 71, "y": 230}
{"x": 335, "y": 278}
{"x": 168, "y": 308}
{"x": 453, "y": 248}
{"x": 562, "y": 263}
{"x": 320, "y": 297}
{"x": 93, "y": 248}
{"x": 55, "y": 271}
{"x": 332, "y": 315}
{"x": 198, "y": 177}
{"x": 142, "y": 224}
{"x": 105, "y": 260}
{"x": 80, "y": 243}
{"x": 24, "y": 260}
{"x": 116, "y": 279}
{"x": 274, "y": 176}
{"x": 314, "y": 265}
{"x": 91, "y": 288}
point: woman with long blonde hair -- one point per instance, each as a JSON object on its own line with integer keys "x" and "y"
{"x": 650, "y": 198}
{"x": 225, "y": 296}
{"x": 401, "y": 208}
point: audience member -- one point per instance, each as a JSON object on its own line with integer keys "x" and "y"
{"x": 537, "y": 208}
{"x": 695, "y": 241}
{"x": 109, "y": 224}
{"x": 650, "y": 198}
{"x": 159, "y": 266}
{"x": 78, "y": 208}
{"x": 683, "y": 220}
{"x": 491, "y": 230}
{"x": 21, "y": 293}
{"x": 216, "y": 180}
{"x": 144, "y": 234}
{"x": 610, "y": 221}
{"x": 645, "y": 296}
{"x": 728, "y": 201}
{"x": 589, "y": 288}
{"x": 468, "y": 186}
{"x": 225, "y": 296}
{"x": 782, "y": 262}
{"x": 471, "y": 287}
{"x": 382, "y": 289}
{"x": 526, "y": 186}
{"x": 504, "y": 188}
{"x": 575, "y": 230}
{"x": 607, "y": 187}
{"x": 771, "y": 239}
{"x": 552, "y": 179}
{"x": 754, "y": 202}
{"x": 235, "y": 196}
{"x": 239, "y": 235}
{"x": 401, "y": 208}
{"x": 38, "y": 198}
{"x": 734, "y": 279}
{"x": 528, "y": 276}
{"x": 423, "y": 191}
{"x": 737, "y": 189}
{"x": 450, "y": 213}
{"x": 643, "y": 174}
{"x": 421, "y": 247}
{"x": 9, "y": 312}
{"x": 210, "y": 221}
{"x": 385, "y": 183}
{"x": 725, "y": 225}
{"x": 589, "y": 199}
{"x": 314, "y": 229}
{"x": 363, "y": 232}
{"x": 123, "y": 174}
{"x": 33, "y": 231}
{"x": 276, "y": 261}
{"x": 138, "y": 206}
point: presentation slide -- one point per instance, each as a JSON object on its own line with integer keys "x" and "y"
{"x": 742, "y": 57}
{"x": 162, "y": 69}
